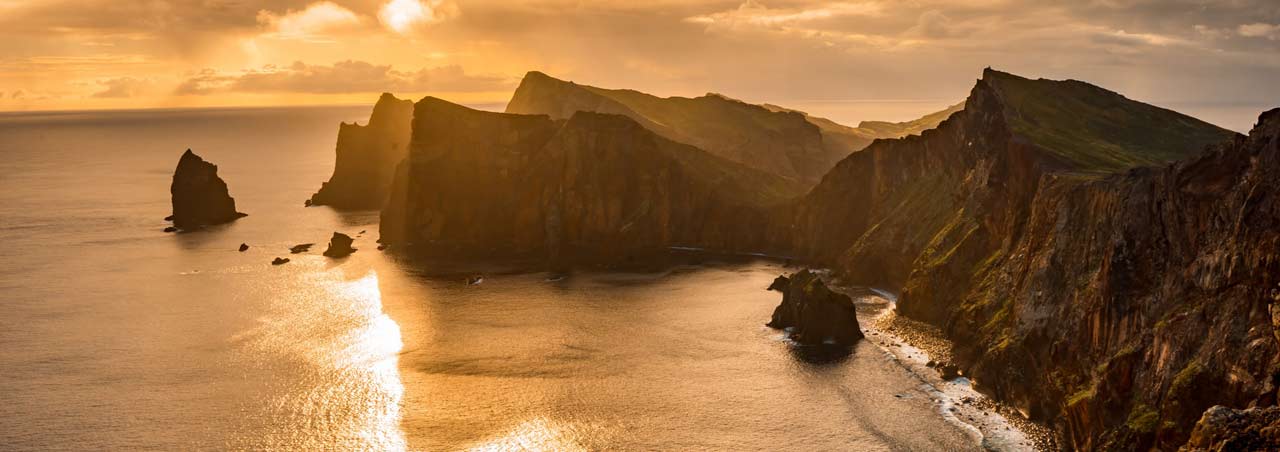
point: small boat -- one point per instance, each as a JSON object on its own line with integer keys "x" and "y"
{"x": 475, "y": 280}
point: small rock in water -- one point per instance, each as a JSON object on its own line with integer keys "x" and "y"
{"x": 302, "y": 248}
{"x": 340, "y": 245}
{"x": 170, "y": 229}
{"x": 280, "y": 261}
{"x": 243, "y": 247}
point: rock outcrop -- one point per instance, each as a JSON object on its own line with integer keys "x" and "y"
{"x": 595, "y": 188}
{"x": 340, "y": 245}
{"x": 200, "y": 197}
{"x": 813, "y": 313}
{"x": 1223, "y": 429}
{"x": 367, "y": 157}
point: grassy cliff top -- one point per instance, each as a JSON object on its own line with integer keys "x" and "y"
{"x": 1095, "y": 130}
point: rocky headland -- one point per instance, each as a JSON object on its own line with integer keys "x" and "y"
{"x": 769, "y": 138}
{"x": 595, "y": 188}
{"x": 1083, "y": 278}
{"x": 367, "y": 157}
{"x": 199, "y": 196}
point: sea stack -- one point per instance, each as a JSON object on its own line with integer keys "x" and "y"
{"x": 339, "y": 245}
{"x": 200, "y": 197}
{"x": 814, "y": 313}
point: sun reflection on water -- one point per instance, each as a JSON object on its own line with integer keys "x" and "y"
{"x": 375, "y": 352}
{"x": 535, "y": 434}
{"x": 332, "y": 360}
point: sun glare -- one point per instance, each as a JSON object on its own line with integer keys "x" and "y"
{"x": 401, "y": 15}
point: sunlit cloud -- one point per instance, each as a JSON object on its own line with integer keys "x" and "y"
{"x": 310, "y": 23}
{"x": 402, "y": 16}
{"x": 123, "y": 87}
{"x": 342, "y": 77}
{"x": 1260, "y": 30}
{"x": 754, "y": 14}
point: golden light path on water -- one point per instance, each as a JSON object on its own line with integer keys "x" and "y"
{"x": 331, "y": 335}
{"x": 375, "y": 351}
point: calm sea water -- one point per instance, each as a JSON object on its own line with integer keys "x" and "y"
{"x": 117, "y": 336}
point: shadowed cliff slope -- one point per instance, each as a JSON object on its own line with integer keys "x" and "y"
{"x": 594, "y": 187}
{"x": 841, "y": 140}
{"x": 1079, "y": 287}
{"x": 769, "y": 138}
{"x": 367, "y": 156}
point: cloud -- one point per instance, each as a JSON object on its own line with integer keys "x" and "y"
{"x": 1260, "y": 30}
{"x": 934, "y": 24}
{"x": 309, "y": 24}
{"x": 753, "y": 14}
{"x": 123, "y": 87}
{"x": 402, "y": 16}
{"x": 342, "y": 77}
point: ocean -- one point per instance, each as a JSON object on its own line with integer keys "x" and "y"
{"x": 118, "y": 336}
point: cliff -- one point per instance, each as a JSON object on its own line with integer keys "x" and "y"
{"x": 783, "y": 143}
{"x": 367, "y": 156}
{"x": 595, "y": 188}
{"x": 199, "y": 196}
{"x": 1080, "y": 283}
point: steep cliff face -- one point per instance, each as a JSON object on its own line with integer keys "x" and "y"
{"x": 594, "y": 188}
{"x": 199, "y": 196}
{"x": 367, "y": 157}
{"x": 778, "y": 142}
{"x": 1084, "y": 291}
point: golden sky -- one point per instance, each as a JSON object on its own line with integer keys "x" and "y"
{"x": 81, "y": 54}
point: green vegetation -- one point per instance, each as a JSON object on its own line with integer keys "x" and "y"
{"x": 1095, "y": 130}
{"x": 883, "y": 129}
{"x": 1143, "y": 419}
{"x": 1082, "y": 395}
{"x": 1186, "y": 378}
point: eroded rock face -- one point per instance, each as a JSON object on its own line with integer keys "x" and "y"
{"x": 595, "y": 188}
{"x": 814, "y": 313}
{"x": 340, "y": 245}
{"x": 1223, "y": 429}
{"x": 367, "y": 157}
{"x": 200, "y": 197}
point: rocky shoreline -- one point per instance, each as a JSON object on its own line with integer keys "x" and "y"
{"x": 920, "y": 347}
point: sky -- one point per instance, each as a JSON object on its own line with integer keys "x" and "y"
{"x": 920, "y": 54}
